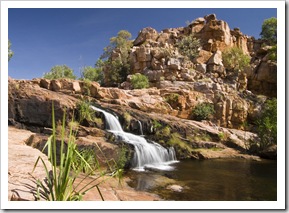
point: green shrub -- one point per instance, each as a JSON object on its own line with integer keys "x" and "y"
{"x": 86, "y": 86}
{"x": 267, "y": 124}
{"x": 139, "y": 81}
{"x": 203, "y": 111}
{"x": 85, "y": 111}
{"x": 172, "y": 98}
{"x": 188, "y": 46}
{"x": 273, "y": 53}
{"x": 60, "y": 71}
{"x": 91, "y": 73}
{"x": 234, "y": 59}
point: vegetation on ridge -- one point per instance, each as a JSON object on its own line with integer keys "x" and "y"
{"x": 269, "y": 31}
{"x": 60, "y": 71}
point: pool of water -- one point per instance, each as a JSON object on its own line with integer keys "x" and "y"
{"x": 212, "y": 180}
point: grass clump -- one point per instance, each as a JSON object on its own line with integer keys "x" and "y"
{"x": 85, "y": 111}
{"x": 59, "y": 184}
{"x": 176, "y": 140}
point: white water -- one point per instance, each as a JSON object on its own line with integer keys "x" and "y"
{"x": 140, "y": 126}
{"x": 147, "y": 155}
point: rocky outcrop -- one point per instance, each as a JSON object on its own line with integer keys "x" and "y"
{"x": 175, "y": 100}
{"x": 157, "y": 56}
{"x": 29, "y": 102}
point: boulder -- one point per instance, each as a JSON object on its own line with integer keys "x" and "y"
{"x": 174, "y": 64}
{"x": 30, "y": 104}
{"x": 146, "y": 34}
{"x": 215, "y": 35}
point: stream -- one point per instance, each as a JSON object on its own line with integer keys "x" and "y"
{"x": 212, "y": 180}
{"x": 155, "y": 169}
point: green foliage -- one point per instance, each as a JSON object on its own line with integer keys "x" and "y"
{"x": 116, "y": 66}
{"x": 59, "y": 184}
{"x": 156, "y": 124}
{"x": 85, "y": 111}
{"x": 176, "y": 140}
{"x": 267, "y": 124}
{"x": 116, "y": 71}
{"x": 188, "y": 46}
{"x": 123, "y": 158}
{"x": 234, "y": 59}
{"x": 60, "y": 71}
{"x": 203, "y": 111}
{"x": 85, "y": 161}
{"x": 269, "y": 30}
{"x": 139, "y": 81}
{"x": 86, "y": 86}
{"x": 273, "y": 53}
{"x": 91, "y": 73}
{"x": 172, "y": 98}
{"x": 10, "y": 52}
{"x": 164, "y": 132}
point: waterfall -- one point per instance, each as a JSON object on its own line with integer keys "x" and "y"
{"x": 147, "y": 155}
{"x": 140, "y": 127}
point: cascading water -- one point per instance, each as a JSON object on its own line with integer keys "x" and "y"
{"x": 147, "y": 155}
{"x": 140, "y": 127}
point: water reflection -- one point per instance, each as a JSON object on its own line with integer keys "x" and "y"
{"x": 222, "y": 180}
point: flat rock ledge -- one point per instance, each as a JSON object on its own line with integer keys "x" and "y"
{"x": 22, "y": 183}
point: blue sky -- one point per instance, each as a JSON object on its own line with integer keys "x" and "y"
{"x": 42, "y": 38}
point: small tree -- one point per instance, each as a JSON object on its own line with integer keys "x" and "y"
{"x": 203, "y": 111}
{"x": 10, "y": 52}
{"x": 139, "y": 81}
{"x": 116, "y": 66}
{"x": 269, "y": 30}
{"x": 60, "y": 71}
{"x": 188, "y": 46}
{"x": 234, "y": 59}
{"x": 91, "y": 73}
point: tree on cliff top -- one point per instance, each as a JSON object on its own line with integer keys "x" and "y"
{"x": 60, "y": 71}
{"x": 121, "y": 41}
{"x": 269, "y": 30}
{"x": 10, "y": 52}
{"x": 116, "y": 64}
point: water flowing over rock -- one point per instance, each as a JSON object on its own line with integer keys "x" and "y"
{"x": 147, "y": 155}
